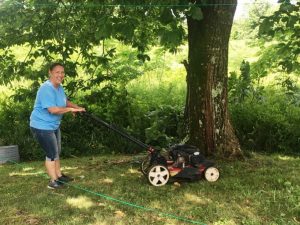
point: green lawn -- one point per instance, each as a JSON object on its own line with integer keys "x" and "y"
{"x": 260, "y": 190}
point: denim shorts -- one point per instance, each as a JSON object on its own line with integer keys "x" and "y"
{"x": 50, "y": 141}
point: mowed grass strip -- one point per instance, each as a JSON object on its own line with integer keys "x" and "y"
{"x": 263, "y": 189}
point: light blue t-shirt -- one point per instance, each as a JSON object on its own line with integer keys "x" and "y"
{"x": 47, "y": 96}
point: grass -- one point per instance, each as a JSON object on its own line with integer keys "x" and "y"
{"x": 240, "y": 50}
{"x": 262, "y": 189}
{"x": 169, "y": 78}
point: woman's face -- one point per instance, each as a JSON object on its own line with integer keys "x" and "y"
{"x": 57, "y": 75}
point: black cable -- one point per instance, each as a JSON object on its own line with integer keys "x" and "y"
{"x": 117, "y": 130}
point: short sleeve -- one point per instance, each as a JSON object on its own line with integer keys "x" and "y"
{"x": 47, "y": 97}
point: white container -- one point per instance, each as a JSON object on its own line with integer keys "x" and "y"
{"x": 9, "y": 154}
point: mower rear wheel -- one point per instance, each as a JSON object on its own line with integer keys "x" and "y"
{"x": 211, "y": 174}
{"x": 158, "y": 175}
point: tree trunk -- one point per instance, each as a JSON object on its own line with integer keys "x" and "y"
{"x": 208, "y": 123}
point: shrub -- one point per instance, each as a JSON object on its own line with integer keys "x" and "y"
{"x": 14, "y": 128}
{"x": 271, "y": 125}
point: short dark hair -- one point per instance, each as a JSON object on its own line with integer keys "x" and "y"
{"x": 53, "y": 65}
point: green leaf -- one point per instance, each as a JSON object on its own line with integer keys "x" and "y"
{"x": 265, "y": 27}
{"x": 166, "y": 16}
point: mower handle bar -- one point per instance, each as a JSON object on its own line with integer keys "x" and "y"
{"x": 117, "y": 130}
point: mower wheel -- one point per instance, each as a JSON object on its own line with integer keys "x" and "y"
{"x": 145, "y": 165}
{"x": 211, "y": 174}
{"x": 158, "y": 175}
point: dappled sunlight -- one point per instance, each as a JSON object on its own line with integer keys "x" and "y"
{"x": 225, "y": 222}
{"x": 76, "y": 219}
{"x": 28, "y": 169}
{"x": 196, "y": 199}
{"x": 101, "y": 204}
{"x": 172, "y": 222}
{"x": 80, "y": 202}
{"x": 25, "y": 173}
{"x": 106, "y": 181}
{"x": 111, "y": 220}
{"x": 231, "y": 203}
{"x": 119, "y": 214}
{"x": 133, "y": 171}
{"x": 288, "y": 158}
{"x": 69, "y": 168}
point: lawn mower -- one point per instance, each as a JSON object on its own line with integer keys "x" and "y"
{"x": 182, "y": 162}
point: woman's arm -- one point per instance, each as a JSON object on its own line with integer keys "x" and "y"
{"x": 62, "y": 110}
{"x": 71, "y": 107}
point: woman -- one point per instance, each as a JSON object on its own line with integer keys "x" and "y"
{"x": 50, "y": 104}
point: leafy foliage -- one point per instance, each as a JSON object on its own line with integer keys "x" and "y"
{"x": 284, "y": 27}
{"x": 164, "y": 126}
{"x": 264, "y": 116}
{"x": 132, "y": 111}
{"x": 269, "y": 125}
{"x": 14, "y": 128}
{"x": 79, "y": 35}
{"x": 247, "y": 27}
{"x": 83, "y": 35}
{"x": 240, "y": 87}
{"x": 92, "y": 41}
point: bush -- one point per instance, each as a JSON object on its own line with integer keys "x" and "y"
{"x": 164, "y": 126}
{"x": 14, "y": 128}
{"x": 271, "y": 125}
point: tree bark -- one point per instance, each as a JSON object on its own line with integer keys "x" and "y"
{"x": 207, "y": 118}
